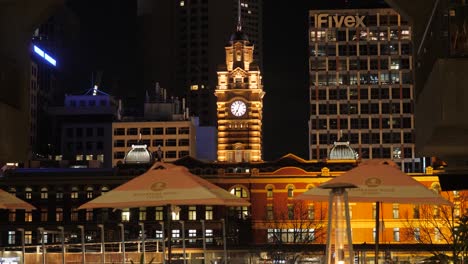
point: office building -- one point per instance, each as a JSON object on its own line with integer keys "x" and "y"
{"x": 183, "y": 43}
{"x": 361, "y": 84}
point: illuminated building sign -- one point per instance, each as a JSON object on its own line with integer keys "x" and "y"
{"x": 44, "y": 55}
{"x": 336, "y": 21}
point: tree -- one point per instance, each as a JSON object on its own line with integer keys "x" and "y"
{"x": 299, "y": 223}
{"x": 433, "y": 225}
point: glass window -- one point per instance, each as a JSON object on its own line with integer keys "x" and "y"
{"x": 192, "y": 213}
{"x": 208, "y": 212}
{"x": 290, "y": 191}
{"x": 171, "y": 131}
{"x": 171, "y": 142}
{"x": 158, "y": 131}
{"x": 125, "y": 215}
{"x": 28, "y": 193}
{"x": 44, "y": 193}
{"x": 58, "y": 214}
{"x": 184, "y": 130}
{"x": 132, "y": 131}
{"x": 159, "y": 213}
{"x": 145, "y": 131}
{"x": 142, "y": 214}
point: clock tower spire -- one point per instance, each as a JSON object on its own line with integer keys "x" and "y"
{"x": 239, "y": 102}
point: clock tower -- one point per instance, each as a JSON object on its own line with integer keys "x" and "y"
{"x": 239, "y": 103}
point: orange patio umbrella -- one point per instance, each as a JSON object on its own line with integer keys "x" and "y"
{"x": 377, "y": 181}
{"x": 9, "y": 201}
{"x": 165, "y": 184}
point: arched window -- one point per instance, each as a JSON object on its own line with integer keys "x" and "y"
{"x": 89, "y": 192}
{"x": 74, "y": 192}
{"x": 290, "y": 189}
{"x": 104, "y": 189}
{"x": 28, "y": 193}
{"x": 269, "y": 191}
{"x": 239, "y": 191}
{"x": 44, "y": 193}
{"x": 12, "y": 191}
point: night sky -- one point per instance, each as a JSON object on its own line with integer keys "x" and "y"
{"x": 107, "y": 34}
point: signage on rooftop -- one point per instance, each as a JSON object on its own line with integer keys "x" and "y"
{"x": 337, "y": 21}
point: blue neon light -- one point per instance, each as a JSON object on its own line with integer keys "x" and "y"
{"x": 44, "y": 55}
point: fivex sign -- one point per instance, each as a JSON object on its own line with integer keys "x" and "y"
{"x": 336, "y": 21}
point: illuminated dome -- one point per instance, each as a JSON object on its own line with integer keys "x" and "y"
{"x": 138, "y": 154}
{"x": 342, "y": 151}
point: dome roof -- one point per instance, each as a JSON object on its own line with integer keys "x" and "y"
{"x": 342, "y": 151}
{"x": 138, "y": 154}
{"x": 239, "y": 35}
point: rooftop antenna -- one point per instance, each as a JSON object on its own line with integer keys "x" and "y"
{"x": 239, "y": 24}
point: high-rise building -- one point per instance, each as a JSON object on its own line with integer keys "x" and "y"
{"x": 182, "y": 45}
{"x": 361, "y": 84}
{"x": 240, "y": 102}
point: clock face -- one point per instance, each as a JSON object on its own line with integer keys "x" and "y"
{"x": 238, "y": 108}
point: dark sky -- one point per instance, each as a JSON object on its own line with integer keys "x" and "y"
{"x": 107, "y": 43}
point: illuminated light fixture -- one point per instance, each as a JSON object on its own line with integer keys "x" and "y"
{"x": 44, "y": 55}
{"x": 95, "y": 89}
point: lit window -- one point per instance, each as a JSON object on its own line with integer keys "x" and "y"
{"x": 270, "y": 192}
{"x": 12, "y": 215}
{"x": 79, "y": 157}
{"x": 89, "y": 192}
{"x": 209, "y": 235}
{"x": 28, "y": 216}
{"x": 290, "y": 191}
{"x": 44, "y": 193}
{"x": 290, "y": 212}
{"x": 176, "y": 235}
{"x": 417, "y": 234}
{"x": 208, "y": 212}
{"x": 269, "y": 212}
{"x": 104, "y": 189}
{"x": 59, "y": 195}
{"x": 74, "y": 193}
{"x": 192, "y": 213}
{"x": 396, "y": 211}
{"x": 142, "y": 214}
{"x": 311, "y": 212}
{"x": 59, "y": 215}
{"x": 28, "y": 193}
{"x": 182, "y": 3}
{"x": 125, "y": 215}
{"x": 396, "y": 234}
{"x": 192, "y": 233}
{"x": 158, "y": 234}
{"x": 89, "y": 157}
{"x": 89, "y": 214}
{"x": 11, "y": 237}
{"x": 28, "y": 237}
{"x": 239, "y": 192}
{"x": 159, "y": 215}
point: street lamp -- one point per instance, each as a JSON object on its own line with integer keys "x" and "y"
{"x": 122, "y": 234}
{"x": 339, "y": 229}
{"x": 103, "y": 248}
{"x": 182, "y": 223}
{"x": 62, "y": 239}
{"x": 21, "y": 230}
{"x": 83, "y": 248}
{"x": 41, "y": 232}
{"x": 143, "y": 237}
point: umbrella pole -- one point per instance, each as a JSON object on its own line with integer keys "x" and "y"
{"x": 377, "y": 232}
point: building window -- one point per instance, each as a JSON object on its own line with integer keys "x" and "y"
{"x": 28, "y": 193}
{"x": 11, "y": 237}
{"x": 159, "y": 215}
{"x": 28, "y": 216}
{"x": 104, "y": 189}
{"x": 269, "y": 192}
{"x": 184, "y": 130}
{"x": 44, "y": 193}
{"x": 125, "y": 215}
{"x": 239, "y": 192}
{"x": 158, "y": 131}
{"x": 192, "y": 213}
{"x": 176, "y": 235}
{"x": 290, "y": 211}
{"x": 396, "y": 234}
{"x": 44, "y": 215}
{"x": 290, "y": 191}
{"x": 192, "y": 233}
{"x": 28, "y": 237}
{"x": 132, "y": 131}
{"x": 208, "y": 212}
{"x": 416, "y": 212}
{"x": 12, "y": 215}
{"x": 59, "y": 195}
{"x": 89, "y": 214}
{"x": 74, "y": 215}
{"x": 59, "y": 215}
{"x": 417, "y": 234}
{"x": 396, "y": 211}
{"x": 89, "y": 192}
{"x": 74, "y": 193}
{"x": 142, "y": 214}
{"x": 269, "y": 212}
{"x": 374, "y": 211}
{"x": 171, "y": 142}
{"x": 158, "y": 234}
{"x": 171, "y": 131}
{"x": 209, "y": 235}
{"x": 171, "y": 154}
{"x": 184, "y": 142}
{"x": 311, "y": 212}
